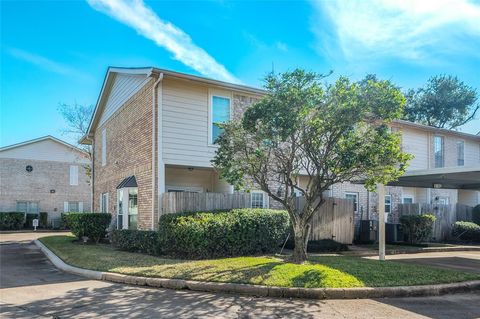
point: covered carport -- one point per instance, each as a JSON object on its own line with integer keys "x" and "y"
{"x": 461, "y": 178}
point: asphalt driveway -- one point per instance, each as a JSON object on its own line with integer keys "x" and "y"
{"x": 31, "y": 287}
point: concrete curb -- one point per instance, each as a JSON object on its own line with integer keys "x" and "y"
{"x": 264, "y": 291}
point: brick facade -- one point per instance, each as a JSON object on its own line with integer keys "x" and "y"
{"x": 129, "y": 152}
{"x": 48, "y": 184}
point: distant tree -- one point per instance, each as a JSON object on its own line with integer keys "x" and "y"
{"x": 77, "y": 117}
{"x": 444, "y": 102}
{"x": 332, "y": 134}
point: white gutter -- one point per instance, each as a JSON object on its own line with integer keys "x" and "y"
{"x": 154, "y": 103}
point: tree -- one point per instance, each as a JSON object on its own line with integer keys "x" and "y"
{"x": 77, "y": 117}
{"x": 330, "y": 133}
{"x": 444, "y": 102}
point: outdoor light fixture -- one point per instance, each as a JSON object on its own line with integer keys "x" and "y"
{"x": 52, "y": 191}
{"x": 437, "y": 185}
{"x": 29, "y": 168}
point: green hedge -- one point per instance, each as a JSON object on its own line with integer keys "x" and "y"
{"x": 91, "y": 225}
{"x": 140, "y": 241}
{"x": 221, "y": 234}
{"x": 466, "y": 231}
{"x": 417, "y": 228}
{"x": 476, "y": 214}
{"x": 11, "y": 220}
{"x": 43, "y": 219}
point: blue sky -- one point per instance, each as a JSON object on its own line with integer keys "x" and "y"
{"x": 58, "y": 51}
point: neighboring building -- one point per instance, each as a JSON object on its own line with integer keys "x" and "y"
{"x": 44, "y": 175}
{"x": 153, "y": 132}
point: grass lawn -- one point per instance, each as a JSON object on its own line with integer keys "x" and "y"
{"x": 318, "y": 272}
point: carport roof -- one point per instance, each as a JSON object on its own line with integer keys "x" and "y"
{"x": 445, "y": 177}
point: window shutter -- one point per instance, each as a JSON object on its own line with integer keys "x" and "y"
{"x": 101, "y": 203}
{"x": 106, "y": 205}
{"x": 65, "y": 207}
{"x": 73, "y": 175}
{"x": 80, "y": 207}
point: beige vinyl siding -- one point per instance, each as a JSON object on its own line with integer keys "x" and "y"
{"x": 185, "y": 124}
{"x": 123, "y": 87}
{"x": 206, "y": 179}
{"x": 472, "y": 153}
{"x": 46, "y": 150}
{"x": 416, "y": 142}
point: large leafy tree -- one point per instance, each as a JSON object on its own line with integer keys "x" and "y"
{"x": 444, "y": 102}
{"x": 330, "y": 133}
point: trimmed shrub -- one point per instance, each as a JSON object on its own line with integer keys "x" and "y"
{"x": 466, "y": 231}
{"x": 139, "y": 241}
{"x": 29, "y": 220}
{"x": 417, "y": 228}
{"x": 476, "y": 214}
{"x": 43, "y": 220}
{"x": 11, "y": 220}
{"x": 91, "y": 225}
{"x": 222, "y": 233}
{"x": 320, "y": 246}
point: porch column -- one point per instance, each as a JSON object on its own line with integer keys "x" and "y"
{"x": 381, "y": 221}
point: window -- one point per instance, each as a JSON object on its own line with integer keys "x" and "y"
{"x": 104, "y": 147}
{"x": 73, "y": 175}
{"x": 73, "y": 207}
{"x": 127, "y": 208}
{"x": 120, "y": 209}
{"x": 27, "y": 207}
{"x": 132, "y": 208}
{"x": 407, "y": 200}
{"x": 442, "y": 200}
{"x": 354, "y": 197}
{"x": 438, "y": 151}
{"x": 388, "y": 204}
{"x": 220, "y": 113}
{"x": 460, "y": 153}
{"x": 258, "y": 199}
{"x": 104, "y": 203}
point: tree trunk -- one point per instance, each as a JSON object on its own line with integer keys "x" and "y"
{"x": 300, "y": 250}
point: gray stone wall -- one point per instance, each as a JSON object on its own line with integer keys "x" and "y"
{"x": 16, "y": 184}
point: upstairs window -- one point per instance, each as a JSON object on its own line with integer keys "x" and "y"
{"x": 460, "y": 153}
{"x": 73, "y": 175}
{"x": 438, "y": 150}
{"x": 388, "y": 204}
{"x": 219, "y": 114}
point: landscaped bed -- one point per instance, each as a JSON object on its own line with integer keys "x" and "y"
{"x": 318, "y": 272}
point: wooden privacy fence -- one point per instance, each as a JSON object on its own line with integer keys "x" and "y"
{"x": 334, "y": 220}
{"x": 446, "y": 215}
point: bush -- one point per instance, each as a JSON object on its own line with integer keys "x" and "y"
{"x": 139, "y": 241}
{"x": 29, "y": 220}
{"x": 220, "y": 234}
{"x": 476, "y": 214}
{"x": 91, "y": 225}
{"x": 466, "y": 231}
{"x": 11, "y": 220}
{"x": 320, "y": 246}
{"x": 64, "y": 221}
{"x": 418, "y": 228}
{"x": 43, "y": 220}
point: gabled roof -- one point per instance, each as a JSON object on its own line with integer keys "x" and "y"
{"x": 130, "y": 181}
{"x": 151, "y": 71}
{"x": 437, "y": 130}
{"x": 44, "y": 138}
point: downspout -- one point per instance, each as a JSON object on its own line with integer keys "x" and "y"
{"x": 154, "y": 122}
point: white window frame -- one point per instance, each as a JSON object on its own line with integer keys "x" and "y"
{"x": 125, "y": 213}
{"x": 104, "y": 202}
{"x": 73, "y": 175}
{"x": 389, "y": 204}
{"x": 408, "y": 196}
{"x": 265, "y": 198}
{"x": 443, "y": 151}
{"x": 211, "y": 94}
{"x": 355, "y": 209}
{"x": 463, "y": 153}
{"x": 104, "y": 147}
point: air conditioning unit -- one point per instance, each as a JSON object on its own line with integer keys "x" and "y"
{"x": 393, "y": 233}
{"x": 368, "y": 231}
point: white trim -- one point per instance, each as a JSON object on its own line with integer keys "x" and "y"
{"x": 195, "y": 189}
{"x": 456, "y": 151}
{"x": 408, "y": 196}
{"x": 73, "y": 175}
{"x": 389, "y": 204}
{"x": 80, "y": 207}
{"x": 222, "y": 94}
{"x": 265, "y": 198}
{"x": 357, "y": 195}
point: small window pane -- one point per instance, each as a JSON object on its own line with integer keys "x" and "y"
{"x": 73, "y": 207}
{"x": 408, "y": 200}
{"x": 120, "y": 209}
{"x": 438, "y": 151}
{"x": 220, "y": 114}
{"x": 388, "y": 203}
{"x": 22, "y": 207}
{"x": 354, "y": 197}
{"x": 460, "y": 153}
{"x": 257, "y": 200}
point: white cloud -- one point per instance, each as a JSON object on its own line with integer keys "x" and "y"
{"x": 408, "y": 29}
{"x": 44, "y": 62}
{"x": 144, "y": 20}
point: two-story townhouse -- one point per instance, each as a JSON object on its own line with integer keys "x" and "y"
{"x": 44, "y": 175}
{"x": 153, "y": 131}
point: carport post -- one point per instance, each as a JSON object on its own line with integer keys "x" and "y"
{"x": 381, "y": 221}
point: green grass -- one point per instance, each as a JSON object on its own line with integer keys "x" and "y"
{"x": 328, "y": 272}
